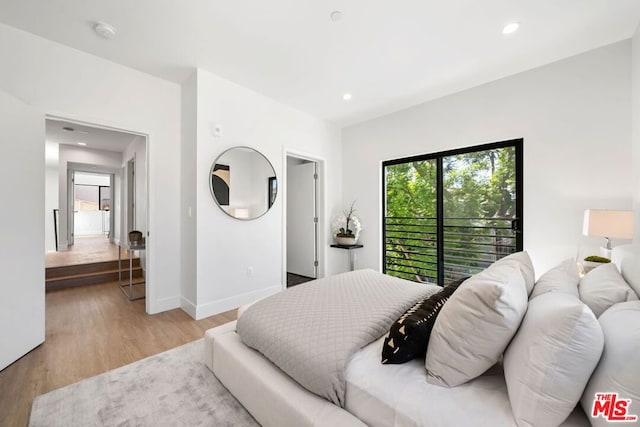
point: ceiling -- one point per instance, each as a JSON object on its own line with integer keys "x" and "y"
{"x": 94, "y": 138}
{"x": 388, "y": 55}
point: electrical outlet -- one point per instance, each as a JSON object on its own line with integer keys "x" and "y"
{"x": 249, "y": 271}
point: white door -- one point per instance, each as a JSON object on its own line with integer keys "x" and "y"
{"x": 22, "y": 228}
{"x": 71, "y": 207}
{"x": 301, "y": 211}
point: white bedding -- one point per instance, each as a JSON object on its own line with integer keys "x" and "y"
{"x": 400, "y": 396}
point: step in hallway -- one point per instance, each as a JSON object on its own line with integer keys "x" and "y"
{"x": 92, "y": 260}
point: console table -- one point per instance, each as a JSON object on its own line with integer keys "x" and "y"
{"x": 127, "y": 287}
{"x": 352, "y": 254}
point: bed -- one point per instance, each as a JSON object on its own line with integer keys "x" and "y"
{"x": 374, "y": 394}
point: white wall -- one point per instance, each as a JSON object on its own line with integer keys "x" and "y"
{"x": 51, "y": 194}
{"x": 84, "y": 178}
{"x": 65, "y": 82}
{"x": 635, "y": 68}
{"x": 574, "y": 116}
{"x": 22, "y": 317}
{"x": 227, "y": 247}
{"x": 91, "y": 223}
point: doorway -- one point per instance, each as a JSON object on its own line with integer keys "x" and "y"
{"x": 96, "y": 197}
{"x": 92, "y": 205}
{"x": 302, "y": 220}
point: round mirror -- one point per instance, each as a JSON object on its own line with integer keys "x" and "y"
{"x": 243, "y": 183}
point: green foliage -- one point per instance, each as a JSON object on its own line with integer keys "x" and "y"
{"x": 596, "y": 258}
{"x": 478, "y": 199}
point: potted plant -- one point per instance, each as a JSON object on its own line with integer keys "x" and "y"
{"x": 591, "y": 262}
{"x": 346, "y": 228}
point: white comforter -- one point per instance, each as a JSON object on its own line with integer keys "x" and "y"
{"x": 311, "y": 331}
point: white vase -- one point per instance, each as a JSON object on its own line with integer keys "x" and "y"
{"x": 346, "y": 241}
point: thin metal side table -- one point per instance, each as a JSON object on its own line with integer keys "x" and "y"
{"x": 352, "y": 254}
{"x": 123, "y": 286}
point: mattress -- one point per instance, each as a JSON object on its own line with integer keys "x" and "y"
{"x": 400, "y": 396}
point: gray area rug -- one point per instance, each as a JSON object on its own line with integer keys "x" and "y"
{"x": 173, "y": 388}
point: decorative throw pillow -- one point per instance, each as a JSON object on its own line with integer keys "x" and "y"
{"x": 523, "y": 262}
{"x": 603, "y": 287}
{"x": 409, "y": 335}
{"x": 562, "y": 278}
{"x": 618, "y": 369}
{"x": 626, "y": 257}
{"x": 551, "y": 358}
{"x": 475, "y": 326}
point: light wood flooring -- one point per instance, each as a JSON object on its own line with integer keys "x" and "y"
{"x": 90, "y": 330}
{"x": 85, "y": 250}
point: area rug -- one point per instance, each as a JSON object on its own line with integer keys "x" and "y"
{"x": 173, "y": 388}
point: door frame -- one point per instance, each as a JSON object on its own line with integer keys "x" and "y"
{"x": 321, "y": 210}
{"x": 150, "y": 247}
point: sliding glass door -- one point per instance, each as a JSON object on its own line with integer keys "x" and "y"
{"x": 450, "y": 215}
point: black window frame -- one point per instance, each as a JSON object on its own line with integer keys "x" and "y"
{"x": 517, "y": 223}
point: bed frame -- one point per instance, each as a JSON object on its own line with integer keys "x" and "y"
{"x": 274, "y": 399}
{"x": 271, "y": 396}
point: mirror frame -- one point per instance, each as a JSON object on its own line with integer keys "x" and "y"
{"x": 275, "y": 175}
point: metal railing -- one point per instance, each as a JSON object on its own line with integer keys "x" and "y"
{"x": 469, "y": 246}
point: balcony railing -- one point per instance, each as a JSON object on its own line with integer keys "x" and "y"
{"x": 469, "y": 246}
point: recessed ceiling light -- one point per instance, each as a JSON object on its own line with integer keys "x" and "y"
{"x": 105, "y": 30}
{"x": 68, "y": 129}
{"x": 82, "y": 143}
{"x": 511, "y": 28}
{"x": 336, "y": 15}
{"x": 347, "y": 97}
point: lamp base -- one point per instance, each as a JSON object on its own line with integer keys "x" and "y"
{"x": 605, "y": 252}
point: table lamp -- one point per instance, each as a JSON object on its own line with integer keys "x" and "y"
{"x": 608, "y": 224}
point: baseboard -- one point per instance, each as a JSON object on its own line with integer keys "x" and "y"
{"x": 226, "y": 304}
{"x": 164, "y": 304}
{"x": 188, "y": 307}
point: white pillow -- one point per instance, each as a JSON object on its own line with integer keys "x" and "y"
{"x": 619, "y": 367}
{"x": 603, "y": 287}
{"x": 475, "y": 326}
{"x": 551, "y": 358}
{"x": 523, "y": 261}
{"x": 562, "y": 278}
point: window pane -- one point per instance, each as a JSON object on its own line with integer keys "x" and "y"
{"x": 479, "y": 201}
{"x": 410, "y": 221}
{"x": 105, "y": 198}
{"x": 85, "y": 198}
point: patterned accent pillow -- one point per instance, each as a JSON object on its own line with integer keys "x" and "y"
{"x": 409, "y": 335}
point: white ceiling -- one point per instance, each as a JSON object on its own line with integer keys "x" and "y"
{"x": 95, "y": 138}
{"x": 389, "y": 55}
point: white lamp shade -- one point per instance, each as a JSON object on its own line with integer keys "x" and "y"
{"x": 605, "y": 223}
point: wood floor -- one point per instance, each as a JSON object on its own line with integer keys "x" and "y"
{"x": 90, "y": 330}
{"x": 85, "y": 250}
